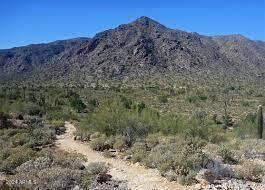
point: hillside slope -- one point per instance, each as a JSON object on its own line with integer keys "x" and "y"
{"x": 140, "y": 52}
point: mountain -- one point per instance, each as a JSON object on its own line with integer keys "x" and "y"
{"x": 141, "y": 52}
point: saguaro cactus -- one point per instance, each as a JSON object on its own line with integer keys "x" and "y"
{"x": 260, "y": 122}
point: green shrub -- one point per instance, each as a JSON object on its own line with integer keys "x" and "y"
{"x": 247, "y": 128}
{"x": 4, "y": 120}
{"x": 204, "y": 129}
{"x": 245, "y": 103}
{"x": 192, "y": 99}
{"x": 127, "y": 103}
{"x": 139, "y": 107}
{"x": 20, "y": 139}
{"x": 163, "y": 99}
{"x": 78, "y": 105}
{"x": 41, "y": 136}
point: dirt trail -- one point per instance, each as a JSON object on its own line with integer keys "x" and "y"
{"x": 137, "y": 177}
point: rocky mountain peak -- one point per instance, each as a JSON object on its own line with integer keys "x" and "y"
{"x": 147, "y": 22}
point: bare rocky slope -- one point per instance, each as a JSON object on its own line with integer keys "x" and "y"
{"x": 141, "y": 52}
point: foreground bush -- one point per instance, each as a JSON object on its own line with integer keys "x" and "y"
{"x": 176, "y": 158}
{"x": 251, "y": 170}
{"x": 58, "y": 170}
{"x": 22, "y": 144}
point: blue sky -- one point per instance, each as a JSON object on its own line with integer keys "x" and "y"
{"x": 36, "y": 21}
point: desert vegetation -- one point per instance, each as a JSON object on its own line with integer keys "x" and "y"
{"x": 186, "y": 133}
{"x": 29, "y": 123}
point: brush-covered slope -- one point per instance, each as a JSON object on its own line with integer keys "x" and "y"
{"x": 140, "y": 52}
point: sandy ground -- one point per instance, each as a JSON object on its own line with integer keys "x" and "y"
{"x": 137, "y": 177}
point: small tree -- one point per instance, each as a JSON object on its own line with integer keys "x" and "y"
{"x": 78, "y": 104}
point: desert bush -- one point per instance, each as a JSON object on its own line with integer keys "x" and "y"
{"x": 247, "y": 127}
{"x": 17, "y": 156}
{"x": 245, "y": 103}
{"x": 114, "y": 119}
{"x": 68, "y": 160}
{"x": 250, "y": 170}
{"x": 93, "y": 103}
{"x": 22, "y": 143}
{"x": 20, "y": 139}
{"x": 41, "y": 136}
{"x": 48, "y": 178}
{"x": 58, "y": 113}
{"x": 97, "y": 167}
{"x": 4, "y": 152}
{"x": 163, "y": 99}
{"x": 95, "y": 135}
{"x": 227, "y": 155}
{"x": 120, "y": 143}
{"x": 192, "y": 99}
{"x": 58, "y": 125}
{"x": 108, "y": 154}
{"x": 133, "y": 130}
{"x": 127, "y": 103}
{"x": 176, "y": 154}
{"x": 76, "y": 102}
{"x": 32, "y": 109}
{"x": 33, "y": 120}
{"x": 35, "y": 164}
{"x": 29, "y": 108}
{"x": 188, "y": 179}
{"x": 209, "y": 132}
{"x": 171, "y": 175}
{"x": 4, "y": 120}
{"x": 152, "y": 140}
{"x": 138, "y": 152}
{"x": 58, "y": 170}
{"x": 100, "y": 144}
{"x": 111, "y": 140}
